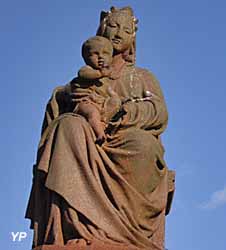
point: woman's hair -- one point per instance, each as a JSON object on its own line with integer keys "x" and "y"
{"x": 130, "y": 55}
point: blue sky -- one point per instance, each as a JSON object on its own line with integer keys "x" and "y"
{"x": 182, "y": 42}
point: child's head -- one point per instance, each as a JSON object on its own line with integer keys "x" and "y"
{"x": 97, "y": 52}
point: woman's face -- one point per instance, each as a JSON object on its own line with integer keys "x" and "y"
{"x": 119, "y": 31}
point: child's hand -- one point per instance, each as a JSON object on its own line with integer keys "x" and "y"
{"x": 114, "y": 98}
{"x": 105, "y": 71}
{"x": 101, "y": 137}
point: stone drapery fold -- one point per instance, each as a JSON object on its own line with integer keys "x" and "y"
{"x": 115, "y": 193}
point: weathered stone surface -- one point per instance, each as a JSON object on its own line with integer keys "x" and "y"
{"x": 171, "y": 190}
{"x": 100, "y": 172}
{"x": 92, "y": 246}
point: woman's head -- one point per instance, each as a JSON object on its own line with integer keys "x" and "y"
{"x": 119, "y": 26}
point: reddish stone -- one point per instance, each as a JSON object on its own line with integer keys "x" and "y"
{"x": 92, "y": 246}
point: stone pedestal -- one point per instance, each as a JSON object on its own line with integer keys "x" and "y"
{"x": 92, "y": 246}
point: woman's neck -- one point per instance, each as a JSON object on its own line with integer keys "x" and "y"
{"x": 118, "y": 63}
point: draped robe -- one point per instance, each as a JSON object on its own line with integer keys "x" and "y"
{"x": 114, "y": 193}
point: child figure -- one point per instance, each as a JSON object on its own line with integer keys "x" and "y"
{"x": 97, "y": 53}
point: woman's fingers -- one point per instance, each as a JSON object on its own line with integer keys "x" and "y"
{"x": 112, "y": 93}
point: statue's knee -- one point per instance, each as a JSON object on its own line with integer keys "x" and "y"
{"x": 72, "y": 123}
{"x": 143, "y": 140}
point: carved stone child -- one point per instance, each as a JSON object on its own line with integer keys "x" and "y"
{"x": 97, "y": 53}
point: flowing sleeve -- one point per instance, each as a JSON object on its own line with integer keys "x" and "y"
{"x": 84, "y": 92}
{"x": 150, "y": 113}
{"x": 58, "y": 104}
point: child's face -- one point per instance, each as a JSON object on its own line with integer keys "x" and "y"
{"x": 99, "y": 55}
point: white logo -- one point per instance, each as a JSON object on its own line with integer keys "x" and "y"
{"x": 18, "y": 236}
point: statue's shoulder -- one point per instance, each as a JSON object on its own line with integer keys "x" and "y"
{"x": 150, "y": 80}
{"x": 146, "y": 73}
{"x": 60, "y": 93}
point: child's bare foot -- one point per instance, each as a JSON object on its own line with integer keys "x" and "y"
{"x": 101, "y": 137}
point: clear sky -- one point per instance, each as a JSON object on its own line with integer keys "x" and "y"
{"x": 182, "y": 42}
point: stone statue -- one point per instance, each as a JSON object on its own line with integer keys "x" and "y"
{"x": 100, "y": 180}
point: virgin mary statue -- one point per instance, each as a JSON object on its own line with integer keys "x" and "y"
{"x": 114, "y": 195}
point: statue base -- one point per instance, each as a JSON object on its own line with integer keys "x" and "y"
{"x": 92, "y": 246}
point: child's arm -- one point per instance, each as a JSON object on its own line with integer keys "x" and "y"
{"x": 88, "y": 72}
